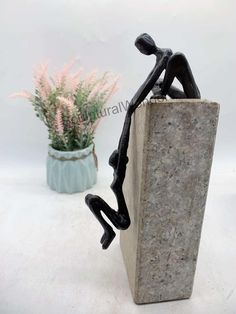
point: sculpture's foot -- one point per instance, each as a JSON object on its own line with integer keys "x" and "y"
{"x": 107, "y": 238}
{"x": 96, "y": 205}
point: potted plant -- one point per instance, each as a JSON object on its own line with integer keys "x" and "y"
{"x": 70, "y": 104}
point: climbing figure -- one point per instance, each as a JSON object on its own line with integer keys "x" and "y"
{"x": 175, "y": 66}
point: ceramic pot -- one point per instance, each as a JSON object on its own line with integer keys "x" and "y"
{"x": 71, "y": 171}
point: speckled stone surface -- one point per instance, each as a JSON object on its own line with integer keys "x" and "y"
{"x": 170, "y": 157}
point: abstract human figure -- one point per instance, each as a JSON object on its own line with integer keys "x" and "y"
{"x": 175, "y": 66}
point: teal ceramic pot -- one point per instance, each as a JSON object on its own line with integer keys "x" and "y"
{"x": 73, "y": 171}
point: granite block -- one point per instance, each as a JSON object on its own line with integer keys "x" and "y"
{"x": 170, "y": 156}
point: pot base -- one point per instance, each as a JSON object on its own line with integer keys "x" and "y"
{"x": 71, "y": 172}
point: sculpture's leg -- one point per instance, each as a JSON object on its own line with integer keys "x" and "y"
{"x": 97, "y": 205}
{"x": 178, "y": 67}
{"x": 176, "y": 93}
{"x": 108, "y": 234}
{"x": 120, "y": 218}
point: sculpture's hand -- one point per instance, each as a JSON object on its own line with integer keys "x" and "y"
{"x": 157, "y": 90}
{"x": 169, "y": 52}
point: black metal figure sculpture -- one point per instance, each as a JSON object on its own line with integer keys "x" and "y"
{"x": 175, "y": 66}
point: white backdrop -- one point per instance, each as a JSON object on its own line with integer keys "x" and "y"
{"x": 102, "y": 33}
{"x": 51, "y": 260}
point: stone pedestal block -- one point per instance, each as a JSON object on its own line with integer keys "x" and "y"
{"x": 170, "y": 157}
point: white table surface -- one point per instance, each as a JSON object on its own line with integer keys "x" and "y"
{"x": 51, "y": 260}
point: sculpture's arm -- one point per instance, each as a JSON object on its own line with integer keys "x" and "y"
{"x": 139, "y": 96}
{"x": 145, "y": 88}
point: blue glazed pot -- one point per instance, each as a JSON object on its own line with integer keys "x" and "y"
{"x": 73, "y": 171}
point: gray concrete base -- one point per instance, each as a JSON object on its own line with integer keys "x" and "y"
{"x": 170, "y": 157}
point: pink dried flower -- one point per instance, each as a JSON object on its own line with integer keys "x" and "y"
{"x": 89, "y": 78}
{"x": 102, "y": 87}
{"x": 94, "y": 91}
{"x": 63, "y": 105}
{"x": 41, "y": 80}
{"x": 23, "y": 94}
{"x": 59, "y": 122}
{"x": 77, "y": 74}
{"x": 68, "y": 103}
{"x": 72, "y": 82}
{"x": 61, "y": 76}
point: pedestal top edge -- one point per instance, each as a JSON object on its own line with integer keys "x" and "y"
{"x": 178, "y": 102}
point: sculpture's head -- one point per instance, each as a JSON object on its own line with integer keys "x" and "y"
{"x": 145, "y": 44}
